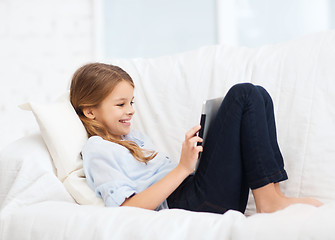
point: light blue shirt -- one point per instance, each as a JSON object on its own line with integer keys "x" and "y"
{"x": 114, "y": 174}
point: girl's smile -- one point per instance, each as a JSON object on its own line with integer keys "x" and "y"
{"x": 125, "y": 122}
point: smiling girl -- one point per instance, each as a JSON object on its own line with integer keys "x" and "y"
{"x": 124, "y": 168}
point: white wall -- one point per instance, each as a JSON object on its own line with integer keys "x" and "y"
{"x": 42, "y": 42}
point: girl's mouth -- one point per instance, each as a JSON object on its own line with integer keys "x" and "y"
{"x": 125, "y": 122}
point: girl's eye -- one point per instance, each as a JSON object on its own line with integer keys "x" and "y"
{"x": 122, "y": 104}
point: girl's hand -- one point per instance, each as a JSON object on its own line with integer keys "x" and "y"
{"x": 190, "y": 150}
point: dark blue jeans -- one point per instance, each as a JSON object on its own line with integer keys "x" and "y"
{"x": 240, "y": 152}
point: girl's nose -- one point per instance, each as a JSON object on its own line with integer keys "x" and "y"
{"x": 131, "y": 110}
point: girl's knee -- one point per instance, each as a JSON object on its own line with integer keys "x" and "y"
{"x": 244, "y": 86}
{"x": 261, "y": 90}
{"x": 248, "y": 89}
{"x": 266, "y": 96}
{"x": 242, "y": 89}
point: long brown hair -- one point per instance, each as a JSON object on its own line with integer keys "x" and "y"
{"x": 90, "y": 85}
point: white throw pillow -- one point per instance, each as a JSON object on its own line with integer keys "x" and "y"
{"x": 65, "y": 136}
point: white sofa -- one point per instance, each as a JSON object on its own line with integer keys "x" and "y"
{"x": 300, "y": 76}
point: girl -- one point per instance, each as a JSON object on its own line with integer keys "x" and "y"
{"x": 125, "y": 169}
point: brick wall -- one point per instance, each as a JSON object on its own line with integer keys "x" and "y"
{"x": 42, "y": 42}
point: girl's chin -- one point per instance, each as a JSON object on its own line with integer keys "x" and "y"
{"x": 126, "y": 130}
{"x": 120, "y": 132}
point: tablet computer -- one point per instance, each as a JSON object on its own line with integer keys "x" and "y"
{"x": 209, "y": 110}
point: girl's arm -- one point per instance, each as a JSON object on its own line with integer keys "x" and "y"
{"x": 154, "y": 195}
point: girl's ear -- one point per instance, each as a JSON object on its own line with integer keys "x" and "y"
{"x": 88, "y": 112}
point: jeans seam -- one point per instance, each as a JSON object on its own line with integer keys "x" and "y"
{"x": 254, "y": 138}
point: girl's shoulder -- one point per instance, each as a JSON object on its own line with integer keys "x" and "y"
{"x": 96, "y": 140}
{"x": 96, "y": 144}
{"x": 134, "y": 135}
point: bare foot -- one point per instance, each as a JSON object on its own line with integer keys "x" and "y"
{"x": 311, "y": 201}
{"x": 268, "y": 199}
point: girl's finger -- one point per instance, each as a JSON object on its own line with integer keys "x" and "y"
{"x": 199, "y": 148}
{"x": 192, "y": 132}
{"x": 195, "y": 139}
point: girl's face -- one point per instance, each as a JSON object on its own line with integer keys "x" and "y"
{"x": 116, "y": 110}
